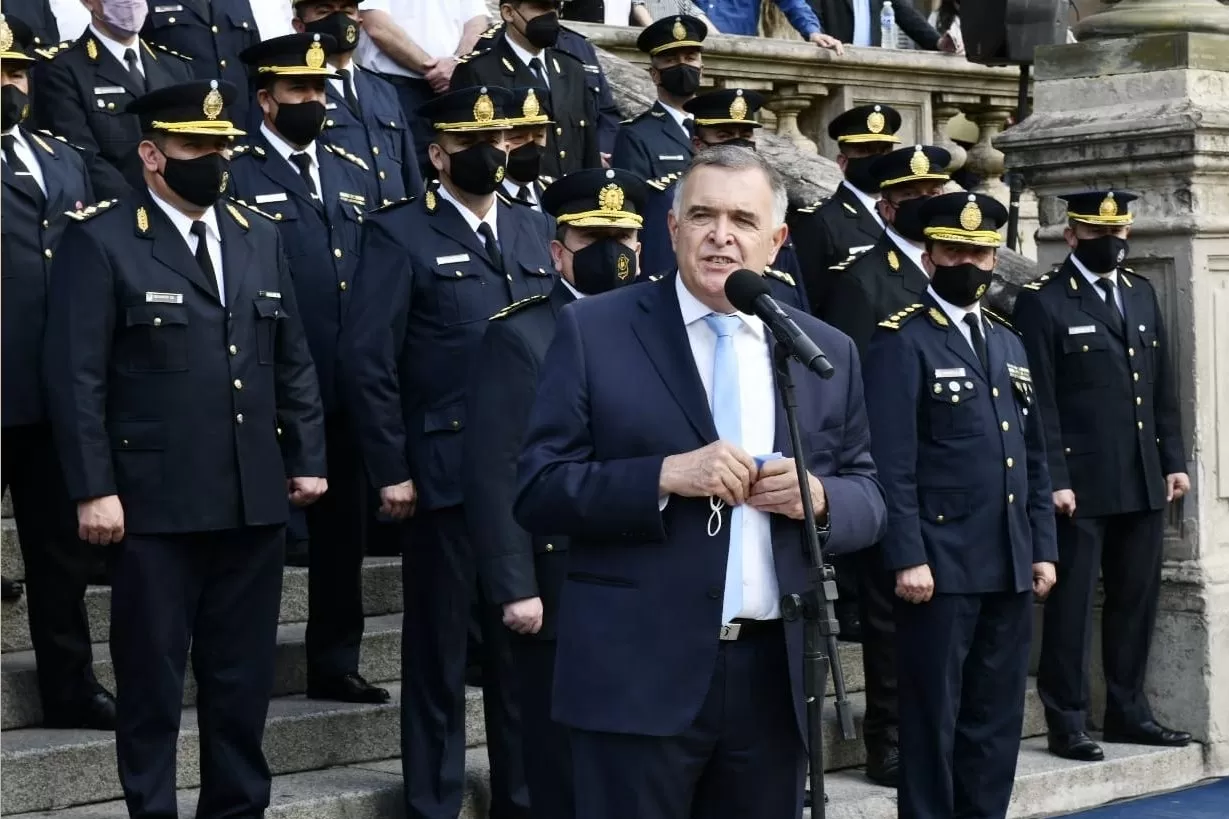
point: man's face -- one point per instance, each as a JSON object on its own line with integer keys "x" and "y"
{"x": 1079, "y": 230}
{"x": 451, "y": 143}
{"x": 710, "y": 135}
{"x": 523, "y": 136}
{"x": 897, "y": 194}
{"x": 314, "y": 10}
{"x": 576, "y": 239}
{"x": 860, "y": 150}
{"x": 15, "y": 75}
{"x": 950, "y": 254}
{"x": 180, "y": 146}
{"x": 519, "y": 15}
{"x": 291, "y": 91}
{"x": 677, "y": 56}
{"x": 725, "y": 223}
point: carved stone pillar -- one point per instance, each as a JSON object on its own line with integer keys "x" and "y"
{"x": 1130, "y": 17}
{"x": 984, "y": 159}
{"x": 944, "y": 112}
{"x": 787, "y": 103}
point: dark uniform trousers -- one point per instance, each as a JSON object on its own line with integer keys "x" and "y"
{"x": 208, "y": 410}
{"x": 1109, "y": 402}
{"x": 57, "y": 563}
{"x": 426, "y": 285}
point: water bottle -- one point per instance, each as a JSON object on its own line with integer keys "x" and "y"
{"x": 887, "y": 26}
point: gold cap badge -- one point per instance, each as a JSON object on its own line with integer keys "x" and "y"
{"x": 920, "y": 163}
{"x": 531, "y": 108}
{"x": 875, "y": 122}
{"x": 6, "y": 35}
{"x": 213, "y": 102}
{"x": 738, "y": 108}
{"x": 970, "y": 217}
{"x": 610, "y": 198}
{"x": 679, "y": 31}
{"x": 315, "y": 55}
{"x": 484, "y": 109}
{"x": 1109, "y": 206}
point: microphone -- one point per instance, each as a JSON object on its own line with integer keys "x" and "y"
{"x": 748, "y": 292}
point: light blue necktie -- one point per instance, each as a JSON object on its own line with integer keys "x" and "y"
{"x": 727, "y": 417}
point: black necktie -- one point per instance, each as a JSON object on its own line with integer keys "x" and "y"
{"x": 202, "y": 255}
{"x": 25, "y": 179}
{"x": 492, "y": 246}
{"x": 134, "y": 68}
{"x": 979, "y": 341}
{"x": 1107, "y": 288}
{"x": 689, "y": 125}
{"x": 539, "y": 71}
{"x": 348, "y": 90}
{"x": 304, "y": 162}
{"x": 523, "y": 195}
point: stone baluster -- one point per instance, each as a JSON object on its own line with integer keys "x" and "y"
{"x": 944, "y": 111}
{"x": 787, "y": 103}
{"x": 984, "y": 159}
{"x": 1136, "y": 17}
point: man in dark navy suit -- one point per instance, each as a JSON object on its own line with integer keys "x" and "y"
{"x": 43, "y": 179}
{"x": 525, "y": 182}
{"x": 185, "y": 409}
{"x": 1102, "y": 364}
{"x": 365, "y": 115}
{"x": 651, "y": 445}
{"x": 432, "y": 272}
{"x": 658, "y": 141}
{"x": 317, "y": 194}
{"x": 594, "y": 251}
{"x": 958, "y": 442}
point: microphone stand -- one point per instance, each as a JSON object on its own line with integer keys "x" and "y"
{"x": 819, "y": 624}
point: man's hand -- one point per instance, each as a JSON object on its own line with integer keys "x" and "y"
{"x": 101, "y": 520}
{"x": 605, "y": 160}
{"x": 1177, "y": 485}
{"x": 829, "y": 42}
{"x": 524, "y": 616}
{"x": 948, "y": 44}
{"x": 719, "y": 469}
{"x": 915, "y": 584}
{"x": 1044, "y": 578}
{"x": 439, "y": 73}
{"x": 1064, "y": 502}
{"x": 398, "y": 501}
{"x": 306, "y": 491}
{"x": 776, "y": 490}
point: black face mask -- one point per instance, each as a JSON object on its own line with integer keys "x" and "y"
{"x": 961, "y": 284}
{"x": 1102, "y": 254}
{"x": 737, "y": 143}
{"x": 478, "y": 169}
{"x": 543, "y": 30}
{"x": 603, "y": 265}
{"x": 858, "y": 174}
{"x": 339, "y": 26}
{"x": 299, "y": 122}
{"x": 680, "y": 80}
{"x": 14, "y": 106}
{"x": 908, "y": 221}
{"x": 525, "y": 163}
{"x": 200, "y": 181}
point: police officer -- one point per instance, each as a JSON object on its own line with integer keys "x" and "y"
{"x": 846, "y": 223}
{"x": 1101, "y": 365}
{"x": 365, "y": 116}
{"x": 84, "y": 89}
{"x": 658, "y": 141}
{"x": 594, "y": 250}
{"x": 317, "y": 194}
{"x": 527, "y": 133}
{"x": 432, "y": 272}
{"x": 38, "y": 16}
{"x": 959, "y": 447}
{"x": 185, "y": 409}
{"x": 43, "y": 179}
{"x": 523, "y": 54}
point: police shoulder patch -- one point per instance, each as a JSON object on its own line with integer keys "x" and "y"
{"x": 238, "y": 218}
{"x": 517, "y": 305}
{"x": 850, "y": 259}
{"x": 87, "y": 213}
{"x": 344, "y": 154}
{"x": 898, "y": 319}
{"x": 780, "y": 275}
{"x": 814, "y": 206}
{"x": 172, "y": 52}
{"x": 995, "y": 317}
{"x": 661, "y": 182}
{"x": 1039, "y": 282}
{"x": 51, "y": 52}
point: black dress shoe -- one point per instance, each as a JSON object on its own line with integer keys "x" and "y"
{"x": 1148, "y": 733}
{"x": 883, "y": 765}
{"x": 96, "y": 712}
{"x": 1078, "y": 746}
{"x": 347, "y": 688}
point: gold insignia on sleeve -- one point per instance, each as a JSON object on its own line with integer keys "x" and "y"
{"x": 1109, "y": 206}
{"x": 315, "y": 55}
{"x": 91, "y": 49}
{"x": 937, "y": 317}
{"x": 610, "y": 198}
{"x": 920, "y": 163}
{"x": 893, "y": 260}
{"x": 738, "y": 108}
{"x": 679, "y": 30}
{"x": 142, "y": 220}
{"x": 517, "y": 305}
{"x": 970, "y": 217}
{"x": 780, "y": 275}
{"x": 484, "y": 108}
{"x": 875, "y": 123}
{"x": 213, "y": 102}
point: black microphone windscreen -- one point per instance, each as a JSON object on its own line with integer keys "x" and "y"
{"x": 743, "y": 287}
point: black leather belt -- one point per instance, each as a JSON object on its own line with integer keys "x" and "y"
{"x": 740, "y": 629}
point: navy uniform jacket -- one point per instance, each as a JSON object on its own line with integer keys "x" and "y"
{"x": 571, "y": 144}
{"x": 512, "y": 564}
{"x": 961, "y": 455}
{"x": 1109, "y": 402}
{"x": 652, "y": 145}
{"x": 31, "y": 233}
{"x": 867, "y": 289}
{"x": 36, "y": 14}
{"x": 640, "y": 609}
{"x": 82, "y": 92}
{"x": 827, "y": 233}
{"x": 212, "y": 33}
{"x": 537, "y": 186}
{"x": 321, "y": 238}
{"x": 194, "y": 413}
{"x": 425, "y": 290}
{"x": 381, "y": 136}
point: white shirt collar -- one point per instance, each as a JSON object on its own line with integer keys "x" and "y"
{"x": 679, "y": 115}
{"x": 1093, "y": 278}
{"x": 470, "y": 217}
{"x": 514, "y": 189}
{"x": 284, "y": 148}
{"x": 694, "y": 310}
{"x": 908, "y": 248}
{"x": 868, "y": 200}
{"x": 571, "y": 287}
{"x": 524, "y": 55}
{"x": 117, "y": 49}
{"x": 956, "y": 314}
{"x": 183, "y": 222}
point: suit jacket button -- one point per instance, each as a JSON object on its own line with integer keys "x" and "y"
{"x": 1006, "y": 426}
{"x": 1011, "y": 498}
{"x": 550, "y": 547}
{"x": 375, "y": 150}
{"x": 239, "y": 418}
{"x": 238, "y": 384}
{"x": 157, "y": 321}
{"x": 48, "y": 253}
{"x": 342, "y": 285}
{"x": 714, "y": 593}
{"x": 940, "y": 518}
{"x": 233, "y": 349}
{"x": 214, "y": 29}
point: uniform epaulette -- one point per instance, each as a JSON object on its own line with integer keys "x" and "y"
{"x": 387, "y": 206}
{"x": 896, "y": 320}
{"x": 1131, "y": 274}
{"x": 246, "y": 148}
{"x": 996, "y": 317}
{"x": 1039, "y": 282}
{"x": 848, "y": 261}
{"x": 253, "y": 209}
{"x": 507, "y": 200}
{"x": 628, "y": 121}
{"x": 50, "y": 52}
{"x": 464, "y": 58}
{"x": 656, "y": 277}
{"x": 333, "y": 149}
{"x": 170, "y": 51}
{"x": 545, "y": 180}
{"x": 780, "y": 275}
{"x": 492, "y": 30}
{"x": 517, "y": 305}
{"x": 814, "y": 206}
{"x": 90, "y": 212}
{"x": 41, "y": 133}
{"x": 662, "y": 182}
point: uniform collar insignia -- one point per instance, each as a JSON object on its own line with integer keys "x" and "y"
{"x": 142, "y": 221}
{"x": 937, "y": 317}
{"x": 91, "y": 49}
{"x": 893, "y": 260}
{"x": 237, "y": 216}
{"x": 430, "y": 201}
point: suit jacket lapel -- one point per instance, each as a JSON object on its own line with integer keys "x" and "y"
{"x": 1091, "y": 299}
{"x": 853, "y": 208}
{"x": 13, "y": 183}
{"x": 449, "y": 223}
{"x": 112, "y": 71}
{"x": 659, "y": 327}
{"x": 237, "y": 250}
{"x": 671, "y": 128}
{"x": 49, "y": 163}
{"x": 170, "y": 249}
{"x": 287, "y": 177}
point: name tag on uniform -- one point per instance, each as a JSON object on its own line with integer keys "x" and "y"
{"x": 266, "y": 198}
{"x": 678, "y": 158}
{"x": 460, "y": 257}
{"x": 1082, "y": 330}
{"x": 330, "y": 106}
{"x": 110, "y": 89}
{"x": 352, "y": 198}
{"x": 163, "y": 298}
{"x": 269, "y": 294}
{"x": 954, "y": 372}
{"x": 160, "y": 9}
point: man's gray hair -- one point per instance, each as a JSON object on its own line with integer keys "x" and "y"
{"x": 736, "y": 158}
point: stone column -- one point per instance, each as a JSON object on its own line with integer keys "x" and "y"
{"x": 1139, "y": 104}
{"x": 984, "y": 158}
{"x": 787, "y": 103}
{"x": 944, "y": 111}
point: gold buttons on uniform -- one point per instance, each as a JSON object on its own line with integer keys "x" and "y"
{"x": 214, "y": 29}
{"x": 1138, "y": 401}
{"x": 239, "y": 418}
{"x": 558, "y": 131}
{"x": 1006, "y": 426}
{"x": 222, "y": 63}
{"x": 48, "y": 253}
{"x": 170, "y": 19}
{"x": 563, "y": 154}
{"x": 459, "y": 274}
{"x": 1135, "y": 376}
{"x": 582, "y": 123}
{"x": 337, "y": 252}
{"x": 124, "y": 442}
{"x": 1084, "y": 349}
{"x": 455, "y": 424}
{"x": 550, "y": 547}
{"x": 341, "y": 285}
{"x": 233, "y": 349}
{"x": 375, "y": 150}
{"x": 46, "y": 224}
{"x": 1011, "y": 498}
{"x": 1139, "y": 424}
{"x": 157, "y": 321}
{"x": 238, "y": 384}
{"x": 1010, "y": 463}
{"x": 955, "y": 399}
{"x": 1131, "y": 351}
{"x": 1067, "y": 451}
{"x": 939, "y": 518}
{"x": 328, "y": 123}
{"x": 383, "y": 175}
{"x": 994, "y": 391}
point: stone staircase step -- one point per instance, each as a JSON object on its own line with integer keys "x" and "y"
{"x": 381, "y": 595}
{"x": 380, "y": 661}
